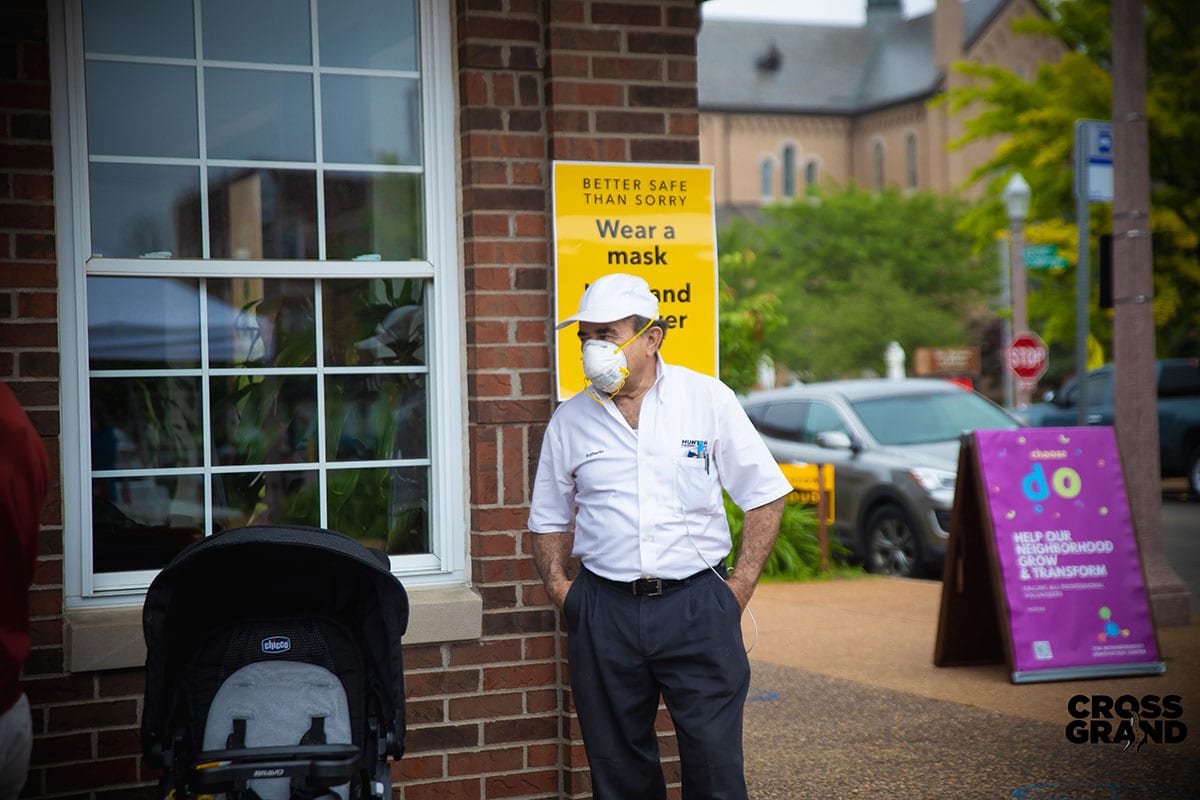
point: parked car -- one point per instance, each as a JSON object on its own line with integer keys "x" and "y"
{"x": 893, "y": 445}
{"x": 1177, "y": 387}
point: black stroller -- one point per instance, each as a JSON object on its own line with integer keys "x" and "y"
{"x": 274, "y": 667}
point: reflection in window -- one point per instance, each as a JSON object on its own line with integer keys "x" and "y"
{"x": 139, "y": 28}
{"x": 374, "y": 418}
{"x": 271, "y": 422}
{"x": 376, "y": 321}
{"x": 369, "y": 120}
{"x": 141, "y": 110}
{"x": 374, "y": 214}
{"x": 369, "y": 34}
{"x": 259, "y": 115}
{"x": 146, "y": 422}
{"x": 264, "y": 31}
{"x": 142, "y": 523}
{"x": 266, "y": 497}
{"x": 261, "y": 322}
{"x": 262, "y": 213}
{"x": 143, "y": 323}
{"x": 145, "y": 209}
{"x": 236, "y": 397}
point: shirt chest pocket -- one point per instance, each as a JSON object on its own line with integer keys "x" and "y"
{"x": 696, "y": 486}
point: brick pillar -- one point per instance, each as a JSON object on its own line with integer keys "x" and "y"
{"x": 29, "y": 356}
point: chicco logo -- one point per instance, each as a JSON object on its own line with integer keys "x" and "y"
{"x": 276, "y": 644}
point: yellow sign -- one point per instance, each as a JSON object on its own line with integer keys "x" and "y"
{"x": 808, "y": 484}
{"x": 651, "y": 220}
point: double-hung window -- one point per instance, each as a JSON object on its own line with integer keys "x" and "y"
{"x": 258, "y": 271}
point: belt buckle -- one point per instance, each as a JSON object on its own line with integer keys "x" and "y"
{"x": 658, "y": 587}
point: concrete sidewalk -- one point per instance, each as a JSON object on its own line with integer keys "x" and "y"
{"x": 846, "y": 702}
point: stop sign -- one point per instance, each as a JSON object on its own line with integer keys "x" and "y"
{"x": 1027, "y": 356}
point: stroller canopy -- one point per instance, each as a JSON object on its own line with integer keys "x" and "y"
{"x": 268, "y": 571}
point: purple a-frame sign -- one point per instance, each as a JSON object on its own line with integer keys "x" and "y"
{"x": 1052, "y": 506}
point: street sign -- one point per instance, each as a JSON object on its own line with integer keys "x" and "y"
{"x": 1043, "y": 256}
{"x": 809, "y": 482}
{"x": 1093, "y": 159}
{"x": 1028, "y": 356}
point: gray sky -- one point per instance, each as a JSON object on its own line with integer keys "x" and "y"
{"x": 846, "y": 12}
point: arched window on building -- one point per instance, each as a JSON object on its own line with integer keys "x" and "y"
{"x": 877, "y": 165}
{"x": 810, "y": 175}
{"x": 766, "y": 176}
{"x": 789, "y": 171}
{"x": 910, "y": 156}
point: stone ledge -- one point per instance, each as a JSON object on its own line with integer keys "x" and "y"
{"x": 110, "y": 637}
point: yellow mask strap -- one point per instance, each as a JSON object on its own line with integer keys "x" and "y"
{"x": 645, "y": 328}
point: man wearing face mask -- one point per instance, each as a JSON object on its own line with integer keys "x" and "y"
{"x": 629, "y": 481}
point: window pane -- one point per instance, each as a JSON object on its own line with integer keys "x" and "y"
{"x": 253, "y": 114}
{"x": 271, "y": 31}
{"x": 141, "y": 110}
{"x": 371, "y": 120}
{"x": 266, "y": 498}
{"x": 375, "y": 321}
{"x": 261, "y": 322}
{"x": 262, "y": 213}
{"x": 376, "y": 34}
{"x": 375, "y": 417}
{"x": 373, "y": 214}
{"x": 146, "y": 422}
{"x": 383, "y": 507}
{"x": 141, "y": 523}
{"x": 263, "y": 419}
{"x": 789, "y": 171}
{"x": 143, "y": 323}
{"x": 139, "y": 27}
{"x": 139, "y": 209}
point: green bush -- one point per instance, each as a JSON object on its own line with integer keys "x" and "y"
{"x": 797, "y": 552}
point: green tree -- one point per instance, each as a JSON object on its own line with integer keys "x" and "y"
{"x": 854, "y": 270}
{"x": 1037, "y": 118}
{"x": 745, "y": 318}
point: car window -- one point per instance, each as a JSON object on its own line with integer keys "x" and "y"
{"x": 933, "y": 417}
{"x": 1179, "y": 380}
{"x": 821, "y": 418}
{"x": 784, "y": 420}
{"x": 1099, "y": 388}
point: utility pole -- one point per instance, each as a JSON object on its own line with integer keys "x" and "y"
{"x": 1134, "y": 396}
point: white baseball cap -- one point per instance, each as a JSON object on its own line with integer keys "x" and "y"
{"x": 613, "y": 297}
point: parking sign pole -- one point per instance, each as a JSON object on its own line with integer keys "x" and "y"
{"x": 1093, "y": 181}
{"x": 1083, "y": 270}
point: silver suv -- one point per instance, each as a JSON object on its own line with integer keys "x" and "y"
{"x": 893, "y": 445}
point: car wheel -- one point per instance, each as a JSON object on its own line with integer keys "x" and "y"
{"x": 892, "y": 544}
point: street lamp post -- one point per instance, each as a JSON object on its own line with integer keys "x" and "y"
{"x": 1016, "y": 202}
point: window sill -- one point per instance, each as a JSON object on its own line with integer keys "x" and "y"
{"x": 111, "y": 637}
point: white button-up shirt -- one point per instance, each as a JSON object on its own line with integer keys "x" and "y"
{"x": 647, "y": 503}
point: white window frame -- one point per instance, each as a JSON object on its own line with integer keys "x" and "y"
{"x": 448, "y": 506}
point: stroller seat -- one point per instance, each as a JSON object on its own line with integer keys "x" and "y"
{"x": 269, "y": 689}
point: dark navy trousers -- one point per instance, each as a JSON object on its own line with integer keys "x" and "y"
{"x": 624, "y": 651}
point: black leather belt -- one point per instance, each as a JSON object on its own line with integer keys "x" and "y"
{"x": 657, "y": 587}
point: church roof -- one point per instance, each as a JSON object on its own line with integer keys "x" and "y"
{"x": 823, "y": 69}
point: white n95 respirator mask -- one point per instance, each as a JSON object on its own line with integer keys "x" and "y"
{"x": 604, "y": 365}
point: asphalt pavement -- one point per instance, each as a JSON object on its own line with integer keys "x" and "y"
{"x": 845, "y": 702}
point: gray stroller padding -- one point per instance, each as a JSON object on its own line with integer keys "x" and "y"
{"x": 279, "y": 702}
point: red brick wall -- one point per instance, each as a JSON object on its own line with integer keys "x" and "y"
{"x": 538, "y": 80}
